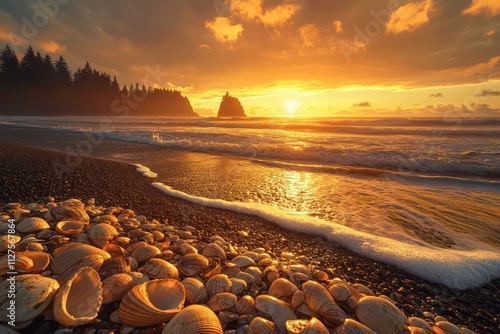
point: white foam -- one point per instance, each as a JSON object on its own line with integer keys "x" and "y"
{"x": 145, "y": 171}
{"x": 450, "y": 267}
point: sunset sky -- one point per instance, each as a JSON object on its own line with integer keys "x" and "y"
{"x": 282, "y": 57}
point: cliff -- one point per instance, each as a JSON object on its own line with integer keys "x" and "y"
{"x": 230, "y": 107}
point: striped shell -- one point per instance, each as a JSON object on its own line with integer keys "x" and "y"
{"x": 195, "y": 291}
{"x": 32, "y": 224}
{"x": 277, "y": 309}
{"x": 320, "y": 301}
{"x": 69, "y": 254}
{"x": 194, "y": 319}
{"x": 115, "y": 287}
{"x": 218, "y": 283}
{"x": 192, "y": 264}
{"x": 380, "y": 315}
{"x": 158, "y": 268}
{"x": 69, "y": 227}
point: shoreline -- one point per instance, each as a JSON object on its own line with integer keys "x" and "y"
{"x": 28, "y": 175}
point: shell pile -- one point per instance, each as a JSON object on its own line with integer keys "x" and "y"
{"x": 75, "y": 259}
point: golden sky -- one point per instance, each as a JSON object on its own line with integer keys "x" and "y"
{"x": 282, "y": 57}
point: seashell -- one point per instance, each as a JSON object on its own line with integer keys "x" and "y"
{"x": 288, "y": 255}
{"x": 35, "y": 247}
{"x": 297, "y": 298}
{"x": 33, "y": 294}
{"x": 195, "y": 291}
{"x": 230, "y": 269}
{"x": 6, "y": 240}
{"x": 246, "y": 305}
{"x": 262, "y": 326}
{"x": 303, "y": 259}
{"x": 73, "y": 202}
{"x": 419, "y": 322}
{"x": 313, "y": 326}
{"x": 296, "y": 326}
{"x": 363, "y": 289}
{"x": 114, "y": 250}
{"x": 113, "y": 266}
{"x": 222, "y": 301}
{"x": 138, "y": 277}
{"x": 69, "y": 254}
{"x": 300, "y": 268}
{"x": 69, "y": 227}
{"x": 79, "y": 299}
{"x": 22, "y": 264}
{"x": 152, "y": 302}
{"x": 282, "y": 288}
{"x": 320, "y": 301}
{"x": 40, "y": 261}
{"x": 218, "y": 283}
{"x": 65, "y": 212}
{"x": 417, "y": 330}
{"x": 115, "y": 287}
{"x": 340, "y": 292}
{"x": 249, "y": 279}
{"x": 439, "y": 318}
{"x": 256, "y": 273}
{"x": 238, "y": 285}
{"x": 380, "y": 315}
{"x": 212, "y": 269}
{"x": 187, "y": 249}
{"x": 351, "y": 326}
{"x": 214, "y": 250}
{"x": 133, "y": 246}
{"x": 448, "y": 327}
{"x": 466, "y": 331}
{"x": 144, "y": 253}
{"x": 158, "y": 268}
{"x": 158, "y": 236}
{"x": 243, "y": 261}
{"x": 271, "y": 273}
{"x": 44, "y": 234}
{"x": 93, "y": 261}
{"x": 262, "y": 256}
{"x": 320, "y": 276}
{"x": 121, "y": 241}
{"x": 250, "y": 254}
{"x": 31, "y": 224}
{"x": 194, "y": 319}
{"x": 277, "y": 309}
{"x": 107, "y": 219}
{"x": 101, "y": 234}
{"x": 437, "y": 330}
{"x": 226, "y": 317}
{"x": 192, "y": 264}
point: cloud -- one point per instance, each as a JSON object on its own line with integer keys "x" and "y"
{"x": 363, "y": 104}
{"x": 252, "y": 10}
{"x": 490, "y": 7}
{"x": 52, "y": 46}
{"x": 488, "y": 92}
{"x": 223, "y": 30}
{"x": 204, "y": 46}
{"x": 309, "y": 34}
{"x": 436, "y": 95}
{"x": 337, "y": 25}
{"x": 489, "y": 33}
{"x": 409, "y": 17}
{"x": 483, "y": 67}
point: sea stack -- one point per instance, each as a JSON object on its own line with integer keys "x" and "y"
{"x": 230, "y": 107}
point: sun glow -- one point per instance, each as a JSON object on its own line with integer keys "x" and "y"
{"x": 290, "y": 106}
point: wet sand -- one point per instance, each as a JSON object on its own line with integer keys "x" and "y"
{"x": 29, "y": 175}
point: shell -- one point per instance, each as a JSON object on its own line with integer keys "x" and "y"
{"x": 340, "y": 292}
{"x": 188, "y": 249}
{"x": 380, "y": 315}
{"x": 144, "y": 253}
{"x": 40, "y": 260}
{"x": 214, "y": 250}
{"x": 80, "y": 298}
{"x": 33, "y": 294}
{"x": 115, "y": 287}
{"x": 238, "y": 285}
{"x": 6, "y": 240}
{"x": 320, "y": 301}
{"x": 351, "y": 326}
{"x": 262, "y": 326}
{"x": 114, "y": 250}
{"x": 313, "y": 326}
{"x": 278, "y": 310}
{"x": 195, "y": 291}
{"x": 256, "y": 273}
{"x": 419, "y": 322}
{"x": 246, "y": 305}
{"x": 65, "y": 212}
{"x": 418, "y": 330}
{"x": 363, "y": 289}
{"x": 93, "y": 261}
{"x": 69, "y": 254}
{"x": 218, "y": 283}
{"x": 194, "y": 319}
{"x": 101, "y": 234}
{"x": 222, "y": 301}
{"x": 69, "y": 227}
{"x": 282, "y": 288}
{"x": 152, "y": 302}
{"x": 243, "y": 261}
{"x": 192, "y": 264}
{"x": 448, "y": 327}
{"x": 31, "y": 224}
{"x": 114, "y": 265}
{"x": 22, "y": 264}
{"x": 230, "y": 269}
{"x": 158, "y": 268}
{"x": 296, "y": 326}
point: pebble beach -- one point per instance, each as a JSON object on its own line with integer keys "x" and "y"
{"x": 28, "y": 175}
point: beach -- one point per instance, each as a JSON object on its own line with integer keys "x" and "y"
{"x": 28, "y": 175}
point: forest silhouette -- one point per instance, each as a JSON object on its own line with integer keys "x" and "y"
{"x": 37, "y": 85}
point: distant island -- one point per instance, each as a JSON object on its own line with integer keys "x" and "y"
{"x": 37, "y": 85}
{"x": 230, "y": 107}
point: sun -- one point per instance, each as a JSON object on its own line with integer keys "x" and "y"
{"x": 290, "y": 106}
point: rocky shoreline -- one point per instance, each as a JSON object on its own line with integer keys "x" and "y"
{"x": 28, "y": 175}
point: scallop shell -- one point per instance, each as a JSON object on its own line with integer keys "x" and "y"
{"x": 192, "y": 264}
{"x": 313, "y": 326}
{"x": 214, "y": 250}
{"x": 243, "y": 261}
{"x": 351, "y": 326}
{"x": 340, "y": 292}
{"x": 40, "y": 261}
{"x": 114, "y": 265}
{"x": 222, "y": 301}
{"x": 246, "y": 305}
{"x": 65, "y": 212}
{"x": 282, "y": 288}
{"x": 114, "y": 250}
{"x": 320, "y": 301}
{"x": 195, "y": 291}
{"x": 218, "y": 283}
{"x": 115, "y": 287}
{"x": 93, "y": 261}
{"x": 256, "y": 273}
{"x": 152, "y": 302}
{"x": 158, "y": 268}
{"x": 33, "y": 294}
{"x": 80, "y": 298}
{"x": 101, "y": 234}
{"x": 262, "y": 326}
{"x": 230, "y": 269}
{"x": 22, "y": 264}
{"x": 31, "y": 224}
{"x": 69, "y": 227}
{"x": 238, "y": 285}
{"x": 144, "y": 253}
{"x": 380, "y": 315}
{"x": 277, "y": 309}
{"x": 69, "y": 254}
{"x": 194, "y": 319}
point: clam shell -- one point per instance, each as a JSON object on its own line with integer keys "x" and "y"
{"x": 144, "y": 253}
{"x": 158, "y": 268}
{"x": 33, "y": 294}
{"x": 93, "y": 261}
{"x": 69, "y": 227}
{"x": 152, "y": 302}
{"x": 448, "y": 327}
{"x": 195, "y": 291}
{"x": 256, "y": 273}
{"x": 320, "y": 301}
{"x": 418, "y": 330}
{"x": 40, "y": 261}
{"x": 351, "y": 326}
{"x": 222, "y": 301}
{"x": 313, "y": 326}
{"x": 243, "y": 261}
{"x": 380, "y": 315}
{"x": 419, "y": 322}
{"x": 340, "y": 292}
{"x": 246, "y": 305}
{"x": 192, "y": 264}
{"x": 218, "y": 283}
{"x": 277, "y": 309}
{"x": 22, "y": 264}
{"x": 6, "y": 240}
{"x": 363, "y": 289}
{"x": 282, "y": 288}
{"x": 65, "y": 212}
{"x": 214, "y": 250}
{"x": 230, "y": 269}
{"x": 296, "y": 326}
{"x": 194, "y": 319}
{"x": 114, "y": 250}
{"x": 69, "y": 254}
{"x": 114, "y": 265}
{"x": 238, "y": 285}
{"x": 31, "y": 224}
{"x": 80, "y": 298}
{"x": 115, "y": 287}
{"x": 101, "y": 234}
{"x": 262, "y": 326}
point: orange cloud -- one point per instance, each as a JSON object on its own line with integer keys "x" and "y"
{"x": 490, "y": 7}
{"x": 309, "y": 34}
{"x": 52, "y": 47}
{"x": 337, "y": 25}
{"x": 251, "y": 10}
{"x": 409, "y": 17}
{"x": 223, "y": 30}
{"x": 483, "y": 67}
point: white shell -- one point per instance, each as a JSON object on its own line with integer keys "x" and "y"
{"x": 380, "y": 315}
{"x": 282, "y": 288}
{"x": 277, "y": 309}
{"x": 101, "y": 234}
{"x": 320, "y": 301}
{"x": 351, "y": 326}
{"x": 246, "y": 305}
{"x": 195, "y": 291}
{"x": 218, "y": 283}
{"x": 261, "y": 326}
{"x": 158, "y": 268}
{"x": 69, "y": 254}
{"x": 115, "y": 287}
{"x": 194, "y": 319}
{"x": 32, "y": 224}
{"x": 222, "y": 301}
{"x": 448, "y": 327}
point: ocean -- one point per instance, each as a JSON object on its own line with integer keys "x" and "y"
{"x": 421, "y": 194}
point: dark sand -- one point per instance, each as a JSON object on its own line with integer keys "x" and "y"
{"x": 29, "y": 175}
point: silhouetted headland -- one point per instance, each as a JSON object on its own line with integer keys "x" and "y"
{"x": 230, "y": 107}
